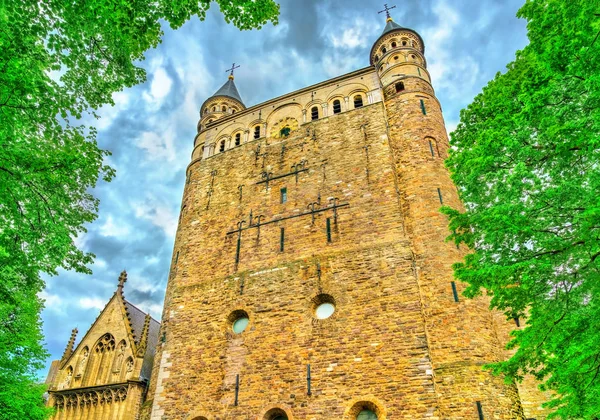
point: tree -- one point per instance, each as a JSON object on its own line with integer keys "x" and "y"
{"x": 526, "y": 160}
{"x": 58, "y": 61}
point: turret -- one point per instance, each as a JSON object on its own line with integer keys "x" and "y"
{"x": 223, "y": 102}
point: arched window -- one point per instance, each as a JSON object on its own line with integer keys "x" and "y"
{"x": 238, "y": 139}
{"x": 358, "y": 102}
{"x": 276, "y": 414}
{"x": 214, "y": 108}
{"x": 233, "y": 111}
{"x": 314, "y": 113}
{"x": 399, "y": 86}
{"x": 404, "y": 43}
{"x": 376, "y": 58}
{"x": 337, "y": 107}
{"x": 224, "y": 108}
{"x": 393, "y": 45}
{"x": 383, "y": 50}
{"x": 257, "y": 132}
{"x": 222, "y": 146}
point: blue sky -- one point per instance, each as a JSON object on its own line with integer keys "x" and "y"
{"x": 151, "y": 128}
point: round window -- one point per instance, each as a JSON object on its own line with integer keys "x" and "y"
{"x": 325, "y": 310}
{"x": 240, "y": 324}
{"x": 366, "y": 415}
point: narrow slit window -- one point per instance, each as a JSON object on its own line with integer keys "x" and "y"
{"x": 517, "y": 321}
{"x": 358, "y": 102}
{"x": 440, "y": 196}
{"x": 328, "y": 229}
{"x": 257, "y": 132}
{"x": 337, "y": 107}
{"x": 238, "y": 139}
{"x": 177, "y": 259}
{"x": 314, "y": 113}
{"x": 383, "y": 50}
{"x": 281, "y": 240}
{"x": 423, "y": 110}
{"x": 399, "y": 86}
{"x": 419, "y": 71}
{"x": 283, "y": 195}
{"x": 480, "y": 410}
{"x": 431, "y": 148}
{"x": 454, "y": 291}
{"x": 222, "y": 146}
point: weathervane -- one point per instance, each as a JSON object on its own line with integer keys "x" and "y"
{"x": 233, "y": 67}
{"x": 387, "y": 10}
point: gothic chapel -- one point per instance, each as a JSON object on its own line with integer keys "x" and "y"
{"x": 106, "y": 375}
{"x": 310, "y": 278}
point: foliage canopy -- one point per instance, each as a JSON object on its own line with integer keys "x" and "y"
{"x": 59, "y": 60}
{"x": 526, "y": 160}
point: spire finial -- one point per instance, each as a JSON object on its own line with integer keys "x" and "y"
{"x": 122, "y": 280}
{"x": 387, "y": 11}
{"x": 233, "y": 67}
{"x": 70, "y": 345}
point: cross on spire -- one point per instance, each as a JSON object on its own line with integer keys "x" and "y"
{"x": 233, "y": 67}
{"x": 387, "y": 10}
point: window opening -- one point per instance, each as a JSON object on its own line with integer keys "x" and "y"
{"x": 423, "y": 110}
{"x": 224, "y": 108}
{"x": 283, "y": 196}
{"x": 404, "y": 43}
{"x": 419, "y": 71}
{"x": 440, "y": 196}
{"x": 366, "y": 415}
{"x": 257, "y": 132}
{"x": 454, "y": 291}
{"x": 337, "y": 107}
{"x": 358, "y": 102}
{"x": 479, "y": 410}
{"x": 393, "y": 45}
{"x": 431, "y": 148}
{"x": 399, "y": 86}
{"x": 222, "y": 146}
{"x": 314, "y": 113}
{"x": 240, "y": 324}
{"x": 328, "y": 225}
{"x": 285, "y": 131}
{"x": 238, "y": 139}
{"x": 383, "y": 50}
{"x": 281, "y": 239}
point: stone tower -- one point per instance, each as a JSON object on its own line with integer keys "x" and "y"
{"x": 310, "y": 275}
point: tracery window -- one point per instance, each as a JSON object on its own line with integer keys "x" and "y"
{"x": 238, "y": 139}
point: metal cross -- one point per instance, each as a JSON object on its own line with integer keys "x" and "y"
{"x": 387, "y": 10}
{"x": 233, "y": 67}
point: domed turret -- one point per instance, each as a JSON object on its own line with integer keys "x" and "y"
{"x": 398, "y": 53}
{"x": 223, "y": 102}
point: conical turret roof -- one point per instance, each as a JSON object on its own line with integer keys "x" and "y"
{"x": 390, "y": 26}
{"x": 229, "y": 90}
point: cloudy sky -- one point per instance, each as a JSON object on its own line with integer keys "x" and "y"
{"x": 151, "y": 128}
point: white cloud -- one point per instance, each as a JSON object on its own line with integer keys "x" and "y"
{"x": 91, "y": 303}
{"x": 158, "y": 147}
{"x": 159, "y": 214}
{"x": 159, "y": 89}
{"x": 350, "y": 37}
{"x": 51, "y": 302}
{"x": 110, "y": 228}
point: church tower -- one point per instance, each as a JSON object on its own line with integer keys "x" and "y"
{"x": 310, "y": 277}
